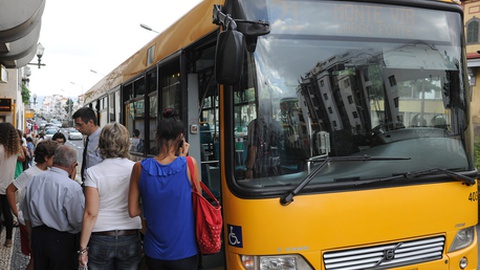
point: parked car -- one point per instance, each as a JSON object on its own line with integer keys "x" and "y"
{"x": 42, "y": 123}
{"x": 75, "y": 135}
{"x": 51, "y": 126}
{"x": 57, "y": 123}
{"x": 49, "y": 132}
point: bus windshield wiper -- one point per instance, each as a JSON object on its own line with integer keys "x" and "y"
{"x": 288, "y": 198}
{"x": 411, "y": 175}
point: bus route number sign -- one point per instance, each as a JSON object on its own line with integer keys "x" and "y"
{"x": 473, "y": 196}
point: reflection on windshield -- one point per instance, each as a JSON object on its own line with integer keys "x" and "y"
{"x": 327, "y": 94}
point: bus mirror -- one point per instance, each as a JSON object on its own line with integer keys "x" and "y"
{"x": 229, "y": 57}
{"x": 259, "y": 28}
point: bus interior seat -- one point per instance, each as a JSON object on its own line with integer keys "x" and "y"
{"x": 206, "y": 139}
{"x": 418, "y": 121}
{"x": 439, "y": 122}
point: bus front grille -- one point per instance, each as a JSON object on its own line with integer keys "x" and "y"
{"x": 387, "y": 255}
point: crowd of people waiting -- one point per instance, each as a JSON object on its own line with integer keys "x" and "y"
{"x": 124, "y": 212}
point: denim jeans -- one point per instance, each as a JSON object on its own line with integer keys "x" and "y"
{"x": 114, "y": 252}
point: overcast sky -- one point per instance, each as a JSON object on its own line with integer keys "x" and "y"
{"x": 98, "y": 35}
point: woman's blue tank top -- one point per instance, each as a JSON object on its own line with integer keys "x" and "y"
{"x": 167, "y": 207}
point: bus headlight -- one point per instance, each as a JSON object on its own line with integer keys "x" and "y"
{"x": 283, "y": 262}
{"x": 463, "y": 239}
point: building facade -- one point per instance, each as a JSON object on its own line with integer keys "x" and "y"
{"x": 472, "y": 38}
{"x": 12, "y": 109}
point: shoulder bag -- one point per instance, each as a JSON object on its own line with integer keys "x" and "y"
{"x": 208, "y": 217}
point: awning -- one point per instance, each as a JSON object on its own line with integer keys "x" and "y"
{"x": 473, "y": 62}
{"x": 20, "y": 22}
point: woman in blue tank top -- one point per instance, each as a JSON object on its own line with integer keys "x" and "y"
{"x": 162, "y": 184}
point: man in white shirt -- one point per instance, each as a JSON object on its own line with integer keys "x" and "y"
{"x": 86, "y": 122}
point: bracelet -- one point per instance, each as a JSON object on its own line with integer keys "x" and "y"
{"x": 83, "y": 251}
{"x": 249, "y": 169}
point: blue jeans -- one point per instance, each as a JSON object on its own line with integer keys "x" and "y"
{"x": 114, "y": 252}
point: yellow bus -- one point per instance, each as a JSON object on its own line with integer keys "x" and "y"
{"x": 337, "y": 134}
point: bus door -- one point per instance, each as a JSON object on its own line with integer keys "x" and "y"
{"x": 114, "y": 105}
{"x": 102, "y": 106}
{"x": 140, "y": 97}
{"x": 135, "y": 108}
{"x": 204, "y": 122}
{"x": 207, "y": 114}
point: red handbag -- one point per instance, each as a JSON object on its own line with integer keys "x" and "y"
{"x": 208, "y": 217}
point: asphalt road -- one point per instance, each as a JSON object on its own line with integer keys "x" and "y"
{"x": 478, "y": 251}
{"x": 78, "y": 145}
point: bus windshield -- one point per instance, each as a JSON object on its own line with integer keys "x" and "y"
{"x": 350, "y": 79}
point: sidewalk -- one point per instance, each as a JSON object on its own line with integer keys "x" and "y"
{"x": 12, "y": 258}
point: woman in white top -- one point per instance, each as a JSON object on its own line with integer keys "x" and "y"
{"x": 10, "y": 147}
{"x": 111, "y": 235}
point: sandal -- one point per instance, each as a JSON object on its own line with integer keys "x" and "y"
{"x": 8, "y": 243}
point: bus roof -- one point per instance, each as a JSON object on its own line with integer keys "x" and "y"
{"x": 190, "y": 27}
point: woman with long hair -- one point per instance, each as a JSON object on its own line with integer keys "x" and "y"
{"x": 163, "y": 185}
{"x": 10, "y": 148}
{"x": 111, "y": 235}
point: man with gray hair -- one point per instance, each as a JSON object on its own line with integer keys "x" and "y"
{"x": 53, "y": 210}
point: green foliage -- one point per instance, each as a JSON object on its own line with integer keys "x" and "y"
{"x": 25, "y": 94}
{"x": 477, "y": 155}
{"x": 68, "y": 106}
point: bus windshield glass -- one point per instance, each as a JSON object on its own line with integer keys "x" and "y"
{"x": 341, "y": 79}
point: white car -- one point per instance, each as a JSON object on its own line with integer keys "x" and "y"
{"x": 50, "y": 126}
{"x": 75, "y": 135}
{"x": 50, "y": 132}
{"x": 43, "y": 123}
{"x": 57, "y": 123}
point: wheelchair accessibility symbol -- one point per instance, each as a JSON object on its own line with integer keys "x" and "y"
{"x": 235, "y": 236}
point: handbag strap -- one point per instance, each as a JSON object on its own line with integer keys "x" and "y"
{"x": 192, "y": 173}
{"x": 201, "y": 184}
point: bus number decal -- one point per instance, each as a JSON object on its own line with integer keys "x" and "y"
{"x": 473, "y": 196}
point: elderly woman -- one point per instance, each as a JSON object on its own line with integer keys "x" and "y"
{"x": 111, "y": 235}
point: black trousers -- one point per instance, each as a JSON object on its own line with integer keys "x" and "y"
{"x": 7, "y": 215}
{"x": 52, "y": 249}
{"x": 190, "y": 263}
